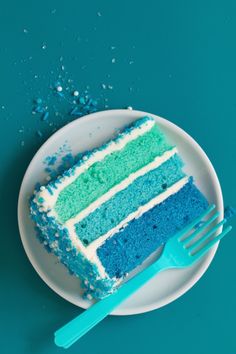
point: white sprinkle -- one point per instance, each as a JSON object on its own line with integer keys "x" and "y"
{"x": 48, "y": 178}
{"x": 3, "y": 107}
{"x": 45, "y": 242}
{"x": 104, "y": 86}
{"x": 35, "y": 76}
{"x": 68, "y": 249}
{"x": 44, "y": 46}
{"x": 42, "y": 188}
{"x": 59, "y": 88}
{"x": 89, "y": 296}
{"x": 113, "y": 47}
{"x": 131, "y": 62}
{"x": 130, "y": 108}
{"x": 86, "y": 282}
{"x": 110, "y": 87}
{"x": 62, "y": 68}
{"x": 25, "y": 30}
{"x": 113, "y": 60}
{"x": 99, "y": 14}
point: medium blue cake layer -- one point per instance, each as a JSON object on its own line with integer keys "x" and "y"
{"x": 124, "y": 251}
{"x": 138, "y": 193}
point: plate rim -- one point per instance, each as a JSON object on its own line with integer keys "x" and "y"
{"x": 184, "y": 288}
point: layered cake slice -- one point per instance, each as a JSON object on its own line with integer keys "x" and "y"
{"x": 116, "y": 206}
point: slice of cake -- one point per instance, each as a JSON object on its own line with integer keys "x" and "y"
{"x": 116, "y": 206}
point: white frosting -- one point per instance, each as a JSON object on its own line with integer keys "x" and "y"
{"x": 90, "y": 251}
{"x": 119, "y": 187}
{"x": 50, "y": 199}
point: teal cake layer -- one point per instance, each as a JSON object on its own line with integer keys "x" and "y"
{"x": 116, "y": 209}
{"x": 105, "y": 174}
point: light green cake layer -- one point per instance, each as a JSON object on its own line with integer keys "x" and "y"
{"x": 105, "y": 174}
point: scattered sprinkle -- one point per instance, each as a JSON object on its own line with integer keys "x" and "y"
{"x": 113, "y": 47}
{"x": 104, "y": 86}
{"x": 25, "y": 30}
{"x": 229, "y": 212}
{"x": 59, "y": 88}
{"x": 45, "y": 116}
{"x": 99, "y": 14}
{"x": 62, "y": 67}
{"x": 38, "y": 100}
{"x": 113, "y": 60}
{"x": 39, "y": 133}
{"x": 110, "y": 87}
{"x": 44, "y": 46}
{"x": 3, "y": 107}
{"x": 130, "y": 108}
{"x": 76, "y": 93}
{"x": 131, "y": 62}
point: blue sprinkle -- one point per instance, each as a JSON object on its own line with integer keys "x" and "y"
{"x": 229, "y": 212}
{"x": 39, "y": 133}
{"x": 39, "y": 109}
{"x": 38, "y": 101}
{"x": 45, "y": 116}
{"x": 82, "y": 100}
{"x": 40, "y": 200}
{"x": 94, "y": 103}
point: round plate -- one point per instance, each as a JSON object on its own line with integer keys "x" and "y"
{"x": 84, "y": 134}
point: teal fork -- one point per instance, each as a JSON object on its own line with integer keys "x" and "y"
{"x": 181, "y": 251}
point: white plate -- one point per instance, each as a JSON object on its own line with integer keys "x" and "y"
{"x": 84, "y": 134}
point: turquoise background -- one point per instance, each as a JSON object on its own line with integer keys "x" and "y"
{"x": 184, "y": 56}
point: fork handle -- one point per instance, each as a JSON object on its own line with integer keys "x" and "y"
{"x": 80, "y": 325}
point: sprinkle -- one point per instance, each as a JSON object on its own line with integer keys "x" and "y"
{"x": 62, "y": 68}
{"x": 3, "y": 107}
{"x": 229, "y": 212}
{"x": 131, "y": 62}
{"x": 25, "y": 30}
{"x": 110, "y": 87}
{"x": 113, "y": 60}
{"x": 42, "y": 188}
{"x": 113, "y": 47}
{"x": 53, "y": 11}
{"x": 103, "y": 86}
{"x": 59, "y": 88}
{"x": 39, "y": 133}
{"x": 99, "y": 14}
{"x": 89, "y": 296}
{"x": 38, "y": 100}
{"x": 82, "y": 100}
{"x": 76, "y": 93}
{"x": 130, "y": 108}
{"x": 45, "y": 116}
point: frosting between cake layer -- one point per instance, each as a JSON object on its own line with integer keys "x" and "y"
{"x": 122, "y": 185}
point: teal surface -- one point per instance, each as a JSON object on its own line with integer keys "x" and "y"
{"x": 173, "y": 58}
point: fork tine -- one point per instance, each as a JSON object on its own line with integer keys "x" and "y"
{"x": 200, "y": 229}
{"x": 189, "y": 227}
{"x": 210, "y": 244}
{"x": 206, "y": 236}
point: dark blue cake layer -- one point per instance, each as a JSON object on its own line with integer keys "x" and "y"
{"x": 127, "y": 249}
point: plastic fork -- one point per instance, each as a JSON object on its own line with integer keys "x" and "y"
{"x": 181, "y": 251}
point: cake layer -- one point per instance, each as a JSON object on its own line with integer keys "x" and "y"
{"x": 127, "y": 249}
{"x": 138, "y": 193}
{"x": 105, "y": 174}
